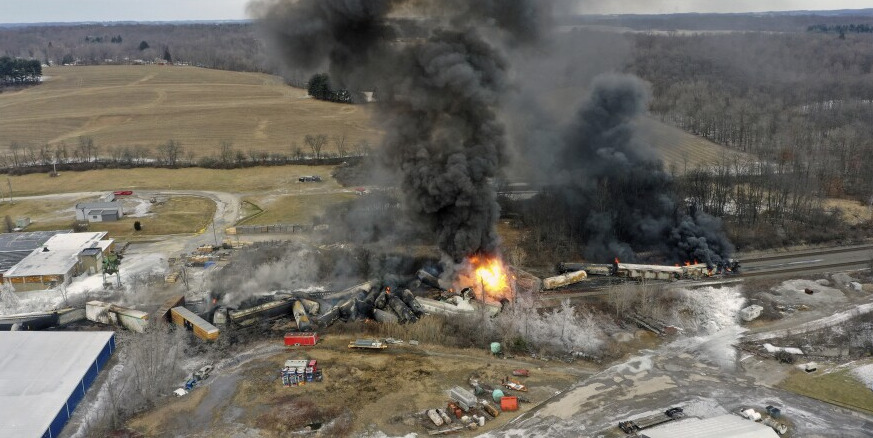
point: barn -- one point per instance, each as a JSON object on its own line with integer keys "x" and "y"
{"x": 44, "y": 376}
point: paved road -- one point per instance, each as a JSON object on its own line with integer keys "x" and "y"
{"x": 808, "y": 261}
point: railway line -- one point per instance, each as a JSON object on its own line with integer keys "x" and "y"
{"x": 785, "y": 264}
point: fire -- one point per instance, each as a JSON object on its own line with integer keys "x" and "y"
{"x": 487, "y": 275}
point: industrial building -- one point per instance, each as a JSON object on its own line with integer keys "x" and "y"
{"x": 14, "y": 247}
{"x": 44, "y": 376}
{"x": 724, "y": 426}
{"x": 99, "y": 211}
{"x": 58, "y": 260}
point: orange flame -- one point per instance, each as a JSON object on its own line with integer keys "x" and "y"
{"x": 487, "y": 275}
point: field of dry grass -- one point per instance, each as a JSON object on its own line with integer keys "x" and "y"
{"x": 178, "y": 215}
{"x": 293, "y": 209}
{"x": 258, "y": 179}
{"x": 148, "y": 105}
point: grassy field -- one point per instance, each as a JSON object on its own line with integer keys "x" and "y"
{"x": 148, "y": 105}
{"x": 293, "y": 209}
{"x": 838, "y": 387}
{"x": 257, "y": 179}
{"x": 178, "y": 215}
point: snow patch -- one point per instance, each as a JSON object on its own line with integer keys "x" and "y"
{"x": 141, "y": 209}
{"x": 865, "y": 374}
{"x": 774, "y": 349}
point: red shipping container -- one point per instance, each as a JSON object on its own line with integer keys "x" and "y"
{"x": 508, "y": 403}
{"x": 301, "y": 338}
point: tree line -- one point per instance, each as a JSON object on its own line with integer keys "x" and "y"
{"x": 319, "y": 87}
{"x": 16, "y": 71}
{"x": 86, "y": 155}
{"x": 841, "y": 28}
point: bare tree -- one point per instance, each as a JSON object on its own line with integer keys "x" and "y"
{"x": 225, "y": 154}
{"x": 316, "y": 143}
{"x": 340, "y": 142}
{"x": 169, "y": 152}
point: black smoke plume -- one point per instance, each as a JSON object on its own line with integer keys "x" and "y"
{"x": 612, "y": 187}
{"x": 438, "y": 97}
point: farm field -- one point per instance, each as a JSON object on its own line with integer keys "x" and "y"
{"x": 255, "y": 179}
{"x": 150, "y": 104}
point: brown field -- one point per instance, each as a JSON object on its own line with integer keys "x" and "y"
{"x": 178, "y": 215}
{"x": 148, "y": 105}
{"x": 682, "y": 151}
{"x": 258, "y": 179}
{"x": 293, "y": 209}
{"x": 381, "y": 389}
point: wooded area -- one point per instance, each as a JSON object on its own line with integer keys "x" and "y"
{"x": 15, "y": 72}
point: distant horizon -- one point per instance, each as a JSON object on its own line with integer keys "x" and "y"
{"x": 250, "y": 20}
{"x": 36, "y": 12}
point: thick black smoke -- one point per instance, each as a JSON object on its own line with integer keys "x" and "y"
{"x": 437, "y": 98}
{"x": 613, "y": 188}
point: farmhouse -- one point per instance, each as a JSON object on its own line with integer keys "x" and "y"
{"x": 58, "y": 260}
{"x": 99, "y": 211}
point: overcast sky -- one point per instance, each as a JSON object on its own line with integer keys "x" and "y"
{"x": 36, "y": 11}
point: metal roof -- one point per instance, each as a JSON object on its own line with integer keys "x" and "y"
{"x": 92, "y": 205}
{"x": 724, "y": 426}
{"x": 38, "y": 372}
{"x": 62, "y": 255}
{"x": 14, "y": 247}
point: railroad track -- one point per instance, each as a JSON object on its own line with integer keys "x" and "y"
{"x": 809, "y": 253}
{"x": 806, "y": 269}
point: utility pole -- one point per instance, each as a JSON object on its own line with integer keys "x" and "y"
{"x": 214, "y": 236}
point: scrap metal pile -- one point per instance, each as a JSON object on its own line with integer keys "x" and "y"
{"x": 471, "y": 409}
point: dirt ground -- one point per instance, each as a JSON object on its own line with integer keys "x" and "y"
{"x": 383, "y": 390}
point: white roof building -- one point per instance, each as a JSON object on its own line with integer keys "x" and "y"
{"x": 55, "y": 262}
{"x": 724, "y": 426}
{"x": 44, "y": 375}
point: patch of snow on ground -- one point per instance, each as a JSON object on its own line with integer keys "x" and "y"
{"x": 865, "y": 374}
{"x": 635, "y": 365}
{"x": 141, "y": 209}
{"x": 774, "y": 349}
{"x": 793, "y": 292}
{"x": 716, "y": 310}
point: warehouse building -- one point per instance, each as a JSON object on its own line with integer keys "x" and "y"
{"x": 99, "y": 211}
{"x": 44, "y": 376}
{"x": 14, "y": 247}
{"x": 723, "y": 426}
{"x": 58, "y": 260}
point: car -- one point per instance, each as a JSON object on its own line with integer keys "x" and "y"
{"x": 123, "y": 193}
{"x": 203, "y": 372}
{"x": 190, "y": 383}
{"x": 180, "y": 392}
{"x": 309, "y": 178}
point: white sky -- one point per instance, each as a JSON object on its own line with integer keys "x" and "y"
{"x": 36, "y": 11}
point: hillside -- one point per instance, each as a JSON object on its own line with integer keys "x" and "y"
{"x": 150, "y": 104}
